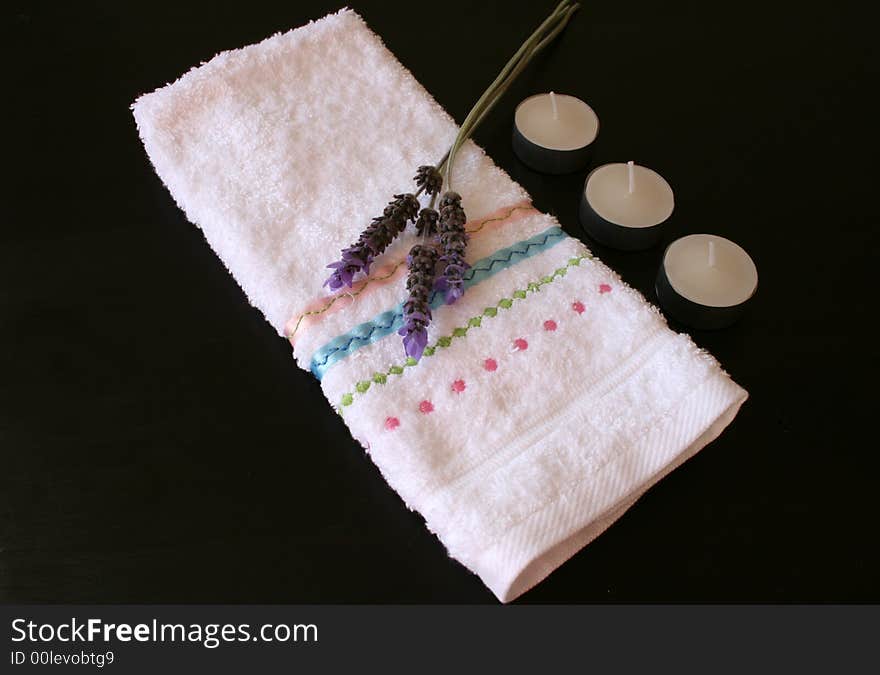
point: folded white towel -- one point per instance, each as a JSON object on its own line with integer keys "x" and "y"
{"x": 552, "y": 395}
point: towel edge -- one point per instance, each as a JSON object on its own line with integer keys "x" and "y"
{"x": 529, "y": 566}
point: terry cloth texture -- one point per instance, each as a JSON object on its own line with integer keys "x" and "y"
{"x": 551, "y": 395}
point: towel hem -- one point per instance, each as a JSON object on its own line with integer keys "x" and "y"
{"x": 533, "y": 548}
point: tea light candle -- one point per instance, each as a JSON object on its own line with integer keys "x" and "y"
{"x": 553, "y": 133}
{"x": 624, "y": 206}
{"x": 706, "y": 281}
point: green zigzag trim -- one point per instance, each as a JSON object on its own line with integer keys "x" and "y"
{"x": 364, "y": 386}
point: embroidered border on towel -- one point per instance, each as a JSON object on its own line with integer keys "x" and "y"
{"x": 391, "y": 320}
{"x": 462, "y": 331}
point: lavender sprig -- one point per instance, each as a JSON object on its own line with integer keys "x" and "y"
{"x": 373, "y": 241}
{"x": 453, "y": 239}
{"x": 422, "y": 261}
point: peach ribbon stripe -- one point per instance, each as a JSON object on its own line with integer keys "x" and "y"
{"x": 314, "y": 311}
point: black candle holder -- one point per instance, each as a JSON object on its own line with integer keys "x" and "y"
{"x": 550, "y": 160}
{"x": 694, "y": 314}
{"x": 615, "y": 235}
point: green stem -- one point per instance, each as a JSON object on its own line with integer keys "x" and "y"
{"x": 537, "y": 41}
{"x": 508, "y": 67}
{"x": 503, "y": 86}
{"x": 501, "y": 89}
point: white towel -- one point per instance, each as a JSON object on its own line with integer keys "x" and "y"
{"x": 552, "y": 395}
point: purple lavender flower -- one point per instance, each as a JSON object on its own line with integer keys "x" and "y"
{"x": 373, "y": 241}
{"x": 426, "y": 225}
{"x": 422, "y": 261}
{"x": 429, "y": 179}
{"x": 354, "y": 259}
{"x": 453, "y": 239}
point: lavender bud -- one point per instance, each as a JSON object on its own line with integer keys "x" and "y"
{"x": 373, "y": 241}
{"x": 429, "y": 178}
{"x": 421, "y": 262}
{"x": 426, "y": 225}
{"x": 453, "y": 239}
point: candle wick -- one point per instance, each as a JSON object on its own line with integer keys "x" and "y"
{"x": 553, "y": 103}
{"x": 631, "y": 175}
{"x": 711, "y": 253}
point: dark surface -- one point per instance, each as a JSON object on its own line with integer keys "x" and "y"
{"x": 157, "y": 443}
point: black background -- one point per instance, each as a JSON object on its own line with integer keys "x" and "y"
{"x": 157, "y": 443}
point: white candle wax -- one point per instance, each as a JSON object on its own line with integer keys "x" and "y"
{"x": 557, "y": 121}
{"x": 710, "y": 270}
{"x": 629, "y": 195}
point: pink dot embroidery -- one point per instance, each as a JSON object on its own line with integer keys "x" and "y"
{"x": 491, "y": 365}
{"x": 458, "y": 386}
{"x": 550, "y": 325}
{"x": 426, "y": 407}
{"x": 578, "y": 307}
{"x": 391, "y": 423}
{"x": 520, "y": 345}
{"x": 604, "y": 288}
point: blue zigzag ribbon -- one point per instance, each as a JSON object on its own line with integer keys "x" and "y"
{"x": 391, "y": 320}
